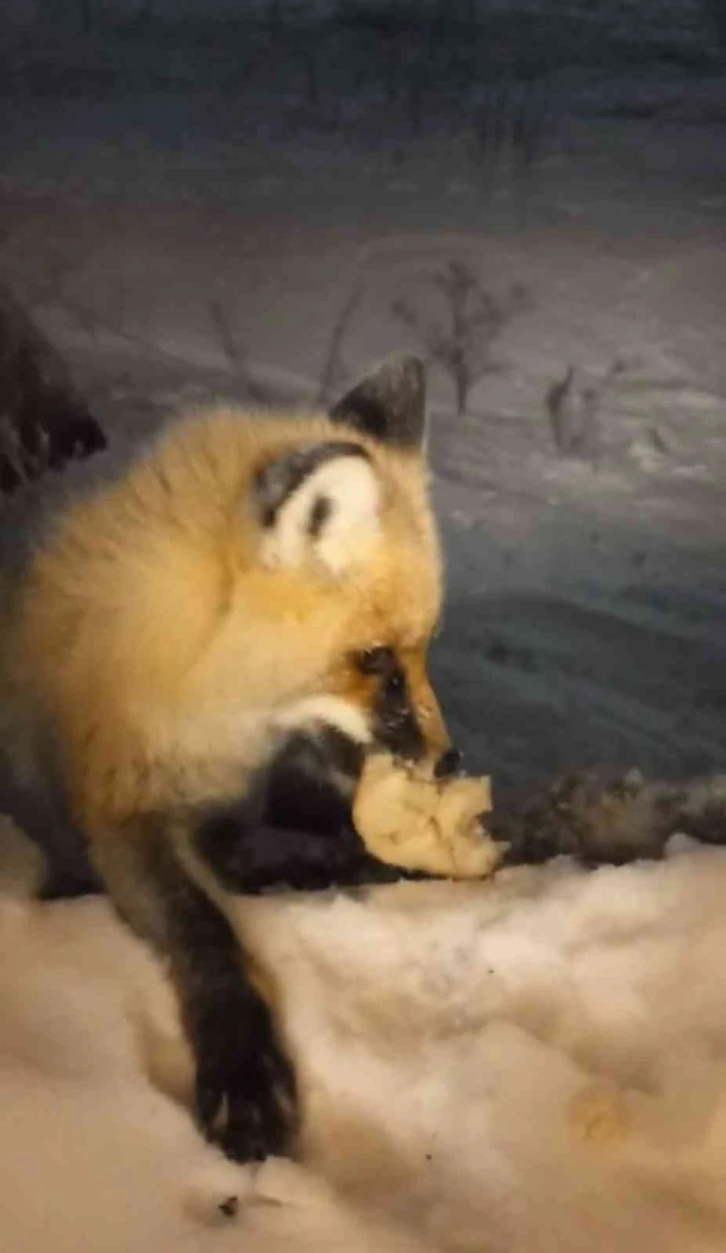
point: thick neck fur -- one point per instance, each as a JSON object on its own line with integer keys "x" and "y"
{"x": 160, "y": 648}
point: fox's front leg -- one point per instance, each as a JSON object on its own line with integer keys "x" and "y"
{"x": 291, "y": 825}
{"x": 245, "y": 1082}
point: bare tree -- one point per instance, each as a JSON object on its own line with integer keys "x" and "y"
{"x": 474, "y": 318}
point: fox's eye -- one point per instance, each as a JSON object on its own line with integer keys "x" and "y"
{"x": 379, "y": 659}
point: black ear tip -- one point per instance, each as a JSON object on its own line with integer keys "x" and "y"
{"x": 402, "y": 373}
{"x": 389, "y": 404}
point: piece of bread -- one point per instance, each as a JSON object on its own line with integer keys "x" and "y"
{"x": 408, "y": 818}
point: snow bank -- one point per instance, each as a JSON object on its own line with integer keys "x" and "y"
{"x": 532, "y": 1066}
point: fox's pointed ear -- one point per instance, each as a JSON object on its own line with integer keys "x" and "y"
{"x": 389, "y": 404}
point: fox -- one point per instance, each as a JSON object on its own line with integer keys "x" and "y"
{"x": 198, "y": 648}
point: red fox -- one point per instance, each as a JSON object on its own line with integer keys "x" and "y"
{"x": 197, "y": 653}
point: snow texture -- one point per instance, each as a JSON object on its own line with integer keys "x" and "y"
{"x": 533, "y": 1066}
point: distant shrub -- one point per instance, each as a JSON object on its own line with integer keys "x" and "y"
{"x": 574, "y": 405}
{"x": 474, "y": 317}
{"x": 514, "y": 121}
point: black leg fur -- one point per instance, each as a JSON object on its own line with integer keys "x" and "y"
{"x": 245, "y": 1083}
{"x": 295, "y": 827}
{"x": 608, "y": 819}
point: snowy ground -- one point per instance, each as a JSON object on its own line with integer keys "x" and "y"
{"x": 534, "y": 1067}
{"x": 183, "y": 241}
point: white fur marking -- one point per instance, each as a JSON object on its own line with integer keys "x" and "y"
{"x": 353, "y": 490}
{"x": 332, "y": 710}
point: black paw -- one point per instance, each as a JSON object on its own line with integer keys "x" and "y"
{"x": 245, "y": 1089}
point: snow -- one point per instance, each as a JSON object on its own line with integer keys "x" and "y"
{"x": 526, "y": 1067}
{"x": 532, "y": 1066}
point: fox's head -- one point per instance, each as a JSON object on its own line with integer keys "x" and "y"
{"x": 335, "y": 580}
{"x": 248, "y": 580}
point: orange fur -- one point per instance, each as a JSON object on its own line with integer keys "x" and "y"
{"x": 158, "y": 648}
{"x": 202, "y": 622}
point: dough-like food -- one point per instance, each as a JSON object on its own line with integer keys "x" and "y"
{"x": 408, "y": 818}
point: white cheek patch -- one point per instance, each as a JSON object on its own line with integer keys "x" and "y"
{"x": 334, "y": 711}
{"x": 334, "y": 516}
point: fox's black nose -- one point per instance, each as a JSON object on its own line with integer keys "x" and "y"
{"x": 448, "y": 764}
